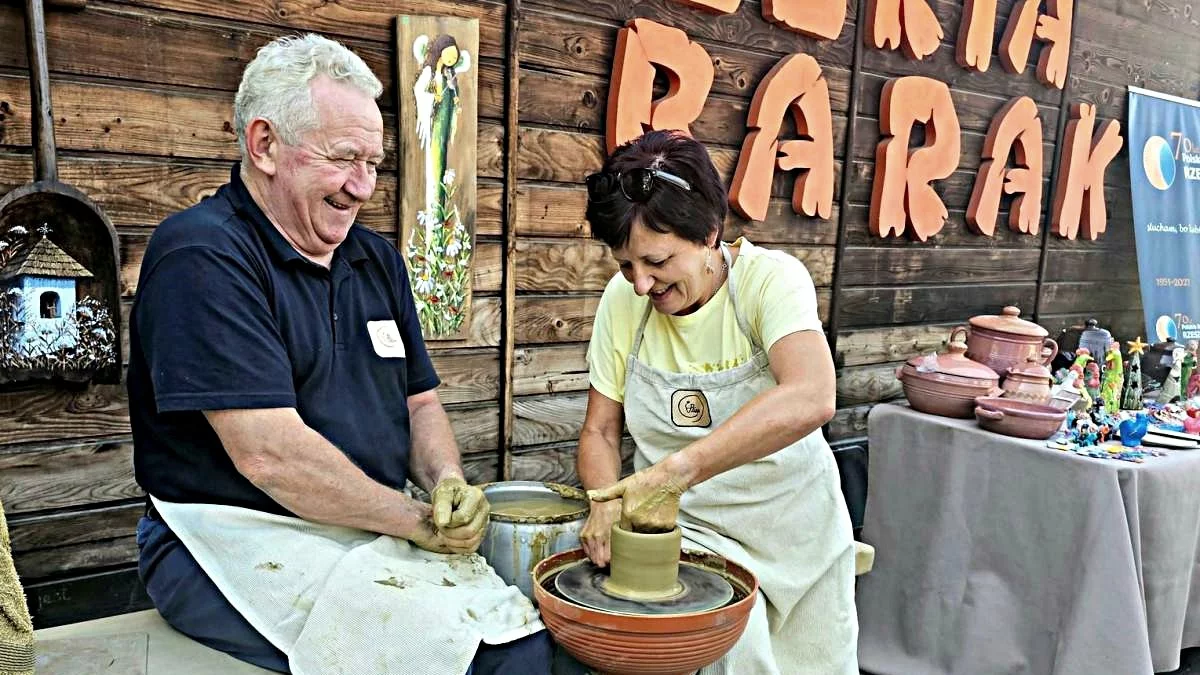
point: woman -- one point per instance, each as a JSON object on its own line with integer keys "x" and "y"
{"x": 714, "y": 357}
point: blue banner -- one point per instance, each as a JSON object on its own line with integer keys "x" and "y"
{"x": 1164, "y": 177}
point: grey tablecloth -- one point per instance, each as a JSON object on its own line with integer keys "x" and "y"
{"x": 998, "y": 555}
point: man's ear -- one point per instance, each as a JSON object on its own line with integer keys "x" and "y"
{"x": 262, "y": 146}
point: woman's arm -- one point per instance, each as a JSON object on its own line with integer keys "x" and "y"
{"x": 599, "y": 465}
{"x": 802, "y": 401}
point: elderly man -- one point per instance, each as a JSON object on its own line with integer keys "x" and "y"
{"x": 277, "y": 363}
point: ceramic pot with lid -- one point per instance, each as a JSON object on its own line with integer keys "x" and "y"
{"x": 1006, "y": 340}
{"x": 947, "y": 384}
{"x": 1096, "y": 339}
{"x": 1028, "y": 382}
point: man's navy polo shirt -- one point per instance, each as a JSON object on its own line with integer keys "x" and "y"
{"x": 228, "y": 315}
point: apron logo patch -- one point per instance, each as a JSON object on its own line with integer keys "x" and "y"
{"x": 689, "y": 408}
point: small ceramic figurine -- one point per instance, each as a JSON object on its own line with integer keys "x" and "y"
{"x": 1114, "y": 379}
{"x": 1093, "y": 380}
{"x": 1132, "y": 430}
{"x": 1083, "y": 356}
{"x": 1131, "y": 395}
{"x": 1189, "y": 367}
{"x": 1191, "y": 421}
{"x": 1193, "y": 384}
{"x": 1171, "y": 388}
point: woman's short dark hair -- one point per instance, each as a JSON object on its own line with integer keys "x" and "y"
{"x": 690, "y": 214}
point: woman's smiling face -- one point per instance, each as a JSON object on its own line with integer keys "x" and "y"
{"x": 668, "y": 268}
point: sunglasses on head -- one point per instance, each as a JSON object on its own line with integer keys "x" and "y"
{"x": 636, "y": 185}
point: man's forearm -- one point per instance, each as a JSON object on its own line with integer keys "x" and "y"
{"x": 306, "y": 474}
{"x": 434, "y": 455}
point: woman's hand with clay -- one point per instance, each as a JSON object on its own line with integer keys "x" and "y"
{"x": 597, "y": 531}
{"x": 649, "y": 498}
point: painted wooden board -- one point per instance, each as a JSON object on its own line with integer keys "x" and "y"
{"x": 437, "y": 89}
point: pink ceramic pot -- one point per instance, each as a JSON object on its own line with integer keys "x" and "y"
{"x": 1003, "y": 341}
{"x": 1013, "y": 417}
{"x": 949, "y": 384}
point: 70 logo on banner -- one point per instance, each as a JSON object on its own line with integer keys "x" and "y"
{"x": 1185, "y": 150}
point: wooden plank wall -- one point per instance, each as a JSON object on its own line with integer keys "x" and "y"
{"x": 143, "y": 124}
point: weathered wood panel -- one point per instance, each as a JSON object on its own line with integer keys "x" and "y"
{"x": 548, "y": 419}
{"x": 551, "y": 369}
{"x": 867, "y": 384}
{"x": 555, "y": 463}
{"x": 363, "y": 20}
{"x": 67, "y": 476}
{"x": 930, "y": 304}
{"x": 69, "y": 529}
{"x": 1069, "y": 297}
{"x": 848, "y": 423}
{"x": 542, "y": 319}
{"x": 472, "y": 375}
{"x": 891, "y": 344}
{"x": 890, "y": 266}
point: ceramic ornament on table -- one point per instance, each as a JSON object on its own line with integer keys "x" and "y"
{"x": 1172, "y": 388}
{"x": 1131, "y": 394}
{"x": 1189, "y": 367}
{"x": 1113, "y": 379}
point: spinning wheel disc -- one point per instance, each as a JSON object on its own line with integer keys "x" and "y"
{"x": 703, "y": 589}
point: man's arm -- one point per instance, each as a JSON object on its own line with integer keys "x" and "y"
{"x": 434, "y": 454}
{"x": 297, "y": 467}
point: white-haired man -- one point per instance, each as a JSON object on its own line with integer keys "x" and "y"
{"x": 276, "y": 359}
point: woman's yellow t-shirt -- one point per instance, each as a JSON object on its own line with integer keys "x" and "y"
{"x": 775, "y": 294}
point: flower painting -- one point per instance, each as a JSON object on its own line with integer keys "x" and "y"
{"x": 438, "y": 132}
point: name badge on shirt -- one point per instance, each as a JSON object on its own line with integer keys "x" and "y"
{"x": 689, "y": 408}
{"x": 385, "y": 337}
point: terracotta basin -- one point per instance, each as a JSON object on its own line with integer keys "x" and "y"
{"x": 624, "y": 644}
{"x": 1014, "y": 417}
{"x": 1006, "y": 340}
{"x": 949, "y": 384}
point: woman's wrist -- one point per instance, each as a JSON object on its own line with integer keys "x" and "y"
{"x": 682, "y": 469}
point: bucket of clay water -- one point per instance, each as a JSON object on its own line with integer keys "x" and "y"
{"x": 530, "y": 522}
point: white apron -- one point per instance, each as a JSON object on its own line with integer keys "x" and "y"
{"x": 339, "y": 600}
{"x": 783, "y": 517}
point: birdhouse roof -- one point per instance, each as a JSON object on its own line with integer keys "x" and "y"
{"x": 44, "y": 259}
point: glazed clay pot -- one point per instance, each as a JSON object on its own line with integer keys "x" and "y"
{"x": 1029, "y": 382}
{"x": 949, "y": 384}
{"x": 1013, "y": 417}
{"x": 1003, "y": 341}
{"x": 636, "y": 644}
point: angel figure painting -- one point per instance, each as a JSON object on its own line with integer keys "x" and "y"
{"x": 438, "y": 131}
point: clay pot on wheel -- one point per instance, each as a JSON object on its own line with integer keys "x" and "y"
{"x": 1003, "y": 341}
{"x": 947, "y": 384}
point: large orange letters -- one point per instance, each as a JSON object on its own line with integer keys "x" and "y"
{"x": 1016, "y": 128}
{"x": 1053, "y": 28}
{"x": 632, "y": 110}
{"x": 1081, "y": 174}
{"x": 796, "y": 83}
{"x": 818, "y": 18}
{"x": 973, "y": 50}
{"x": 889, "y": 20}
{"x": 719, "y": 6}
{"x": 901, "y": 192}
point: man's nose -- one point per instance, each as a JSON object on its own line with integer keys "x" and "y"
{"x": 361, "y": 183}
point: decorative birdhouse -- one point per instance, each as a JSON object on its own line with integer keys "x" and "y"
{"x": 46, "y": 328}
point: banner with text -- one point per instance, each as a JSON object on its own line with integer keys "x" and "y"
{"x": 1164, "y": 177}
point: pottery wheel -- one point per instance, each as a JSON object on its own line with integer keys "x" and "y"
{"x": 703, "y": 589}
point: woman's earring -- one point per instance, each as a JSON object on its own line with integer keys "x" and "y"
{"x": 708, "y": 261}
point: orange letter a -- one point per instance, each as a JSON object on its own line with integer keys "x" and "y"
{"x": 901, "y": 193}
{"x": 796, "y": 83}
{"x": 1018, "y": 126}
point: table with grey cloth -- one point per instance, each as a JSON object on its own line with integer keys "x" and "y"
{"x": 1000, "y": 555}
